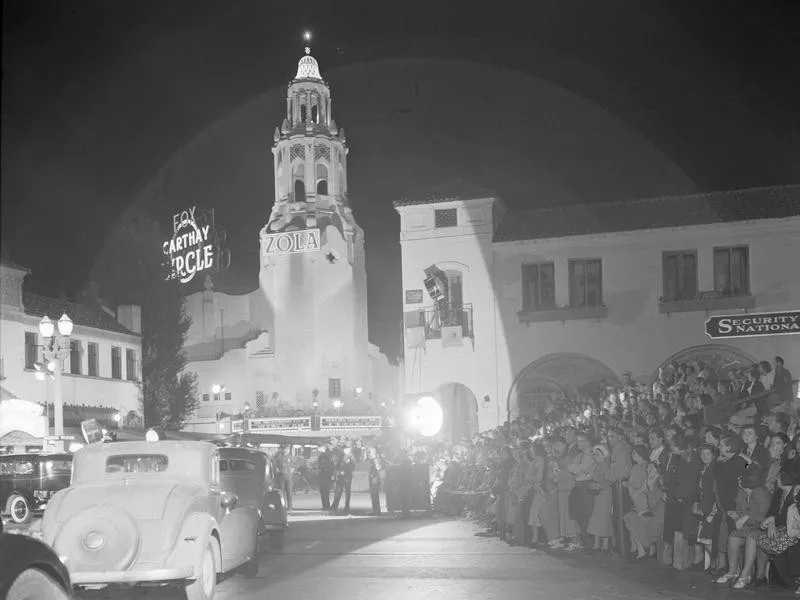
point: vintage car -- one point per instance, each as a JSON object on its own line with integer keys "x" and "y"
{"x": 31, "y": 570}
{"x": 28, "y": 481}
{"x": 151, "y": 513}
{"x": 249, "y": 474}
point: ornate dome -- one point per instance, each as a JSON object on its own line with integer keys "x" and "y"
{"x": 307, "y": 67}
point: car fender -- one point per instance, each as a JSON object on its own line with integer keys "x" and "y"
{"x": 197, "y": 531}
{"x": 52, "y": 520}
{"x": 277, "y": 515}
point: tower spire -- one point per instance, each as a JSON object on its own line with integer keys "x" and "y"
{"x": 308, "y": 68}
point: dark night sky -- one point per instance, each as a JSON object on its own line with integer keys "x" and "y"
{"x": 100, "y": 97}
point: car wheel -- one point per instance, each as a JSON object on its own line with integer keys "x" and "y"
{"x": 276, "y": 540}
{"x": 250, "y": 568}
{"x": 33, "y": 584}
{"x": 19, "y": 509}
{"x": 202, "y": 588}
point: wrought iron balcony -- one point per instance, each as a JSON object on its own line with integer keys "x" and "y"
{"x": 434, "y": 319}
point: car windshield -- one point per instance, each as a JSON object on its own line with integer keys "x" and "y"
{"x": 137, "y": 463}
{"x": 235, "y": 464}
{"x": 59, "y": 467}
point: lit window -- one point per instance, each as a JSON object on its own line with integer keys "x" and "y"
{"x": 538, "y": 287}
{"x": 680, "y": 275}
{"x": 732, "y": 271}
{"x": 585, "y": 283}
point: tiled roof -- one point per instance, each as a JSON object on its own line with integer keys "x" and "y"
{"x": 652, "y": 213}
{"x": 454, "y": 189}
{"x": 81, "y": 314}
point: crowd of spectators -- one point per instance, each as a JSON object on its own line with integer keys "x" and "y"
{"x": 698, "y": 470}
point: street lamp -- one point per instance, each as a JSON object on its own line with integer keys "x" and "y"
{"x": 56, "y": 350}
{"x": 217, "y": 390}
{"x": 337, "y": 404}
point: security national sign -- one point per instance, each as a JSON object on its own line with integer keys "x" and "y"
{"x": 291, "y": 242}
{"x": 753, "y": 325}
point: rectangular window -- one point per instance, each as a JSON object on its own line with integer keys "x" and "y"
{"x": 116, "y": 362}
{"x": 92, "y": 351}
{"x": 205, "y": 397}
{"x": 228, "y": 396}
{"x": 680, "y": 275}
{"x": 31, "y": 349}
{"x": 447, "y": 217}
{"x": 130, "y": 365}
{"x": 585, "y": 283}
{"x": 732, "y": 271}
{"x": 75, "y": 357}
{"x": 538, "y": 287}
{"x": 334, "y": 388}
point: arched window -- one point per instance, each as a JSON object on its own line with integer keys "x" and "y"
{"x": 299, "y": 190}
{"x": 314, "y": 114}
{"x": 303, "y": 113}
{"x": 322, "y": 179}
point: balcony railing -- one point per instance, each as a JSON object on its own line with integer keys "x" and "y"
{"x": 434, "y": 319}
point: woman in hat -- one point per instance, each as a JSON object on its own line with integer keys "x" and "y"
{"x": 776, "y": 539}
{"x": 752, "y": 503}
{"x": 600, "y": 525}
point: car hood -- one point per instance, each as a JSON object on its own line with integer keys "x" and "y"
{"x": 154, "y": 509}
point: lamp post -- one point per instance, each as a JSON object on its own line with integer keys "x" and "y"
{"x": 56, "y": 349}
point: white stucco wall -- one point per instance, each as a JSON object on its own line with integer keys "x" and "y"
{"x": 634, "y": 336}
{"x": 118, "y": 394}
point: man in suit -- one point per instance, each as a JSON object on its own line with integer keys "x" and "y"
{"x": 325, "y": 467}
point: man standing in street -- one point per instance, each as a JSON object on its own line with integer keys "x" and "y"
{"x": 325, "y": 468}
{"x": 344, "y": 479}
{"x": 376, "y": 476}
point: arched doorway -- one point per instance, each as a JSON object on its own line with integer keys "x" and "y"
{"x": 547, "y": 379}
{"x": 460, "y": 407}
{"x": 718, "y": 357}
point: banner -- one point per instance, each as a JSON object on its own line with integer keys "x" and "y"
{"x": 753, "y": 325}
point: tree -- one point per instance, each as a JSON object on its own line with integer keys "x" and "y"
{"x": 130, "y": 270}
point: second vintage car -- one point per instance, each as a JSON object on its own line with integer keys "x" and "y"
{"x": 248, "y": 473}
{"x": 28, "y": 481}
{"x": 151, "y": 512}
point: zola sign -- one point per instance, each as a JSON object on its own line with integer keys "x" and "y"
{"x": 291, "y": 242}
{"x": 753, "y": 325}
{"x": 189, "y": 251}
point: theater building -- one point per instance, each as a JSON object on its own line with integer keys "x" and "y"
{"x": 506, "y": 310}
{"x": 300, "y": 336}
{"x": 101, "y": 376}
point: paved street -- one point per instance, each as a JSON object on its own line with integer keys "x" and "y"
{"x": 364, "y": 558}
